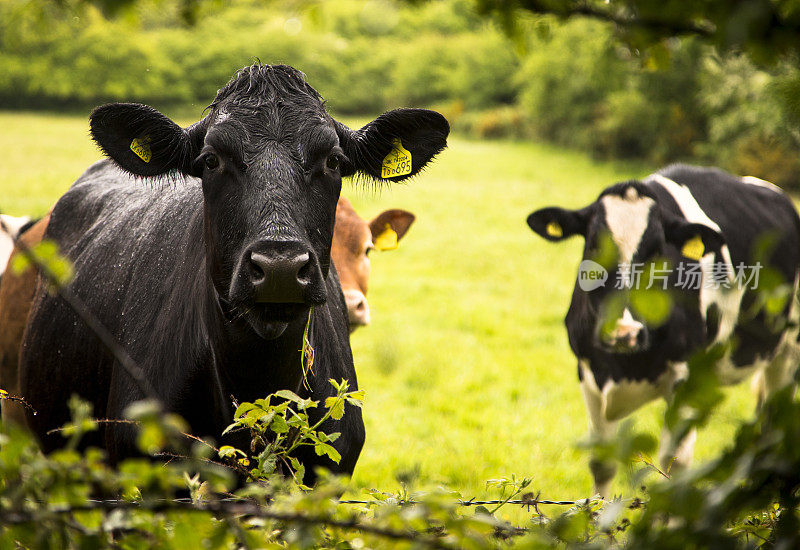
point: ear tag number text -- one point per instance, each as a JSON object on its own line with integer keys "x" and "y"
{"x": 397, "y": 162}
{"x": 141, "y": 147}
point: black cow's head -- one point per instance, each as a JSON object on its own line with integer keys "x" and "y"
{"x": 271, "y": 161}
{"x": 628, "y": 234}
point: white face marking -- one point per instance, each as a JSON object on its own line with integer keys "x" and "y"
{"x": 627, "y": 218}
{"x": 752, "y": 180}
{"x": 13, "y": 224}
{"x": 626, "y": 330}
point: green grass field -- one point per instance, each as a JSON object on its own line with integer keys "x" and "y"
{"x": 466, "y": 365}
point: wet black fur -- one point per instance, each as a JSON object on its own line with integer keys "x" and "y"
{"x": 159, "y": 263}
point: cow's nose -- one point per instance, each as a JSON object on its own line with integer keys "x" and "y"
{"x": 628, "y": 334}
{"x": 280, "y": 274}
{"x": 357, "y": 308}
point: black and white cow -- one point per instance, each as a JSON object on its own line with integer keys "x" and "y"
{"x": 703, "y": 221}
{"x": 208, "y": 281}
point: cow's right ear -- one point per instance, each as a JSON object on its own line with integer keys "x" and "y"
{"x": 555, "y": 224}
{"x": 143, "y": 141}
{"x": 394, "y": 146}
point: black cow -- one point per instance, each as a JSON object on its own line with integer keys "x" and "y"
{"x": 207, "y": 283}
{"x": 703, "y": 221}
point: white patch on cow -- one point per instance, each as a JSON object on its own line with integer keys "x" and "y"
{"x": 686, "y": 202}
{"x": 619, "y": 398}
{"x": 627, "y": 218}
{"x": 11, "y": 226}
{"x": 780, "y": 368}
{"x": 599, "y": 425}
{"x": 727, "y": 300}
{"x": 752, "y": 180}
{"x": 222, "y": 116}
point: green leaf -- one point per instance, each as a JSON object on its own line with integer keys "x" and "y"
{"x": 226, "y": 451}
{"x": 299, "y": 469}
{"x": 289, "y": 396}
{"x": 356, "y": 398}
{"x": 336, "y": 406}
{"x": 243, "y": 409}
{"x": 653, "y": 305}
{"x": 325, "y": 449}
{"x": 279, "y": 425}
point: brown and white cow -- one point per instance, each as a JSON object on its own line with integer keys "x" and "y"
{"x": 16, "y": 294}
{"x": 353, "y": 239}
{"x": 12, "y": 226}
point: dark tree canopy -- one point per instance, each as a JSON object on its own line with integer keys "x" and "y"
{"x": 763, "y": 29}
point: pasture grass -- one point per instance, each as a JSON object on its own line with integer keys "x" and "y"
{"x": 466, "y": 366}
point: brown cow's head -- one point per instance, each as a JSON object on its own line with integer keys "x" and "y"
{"x": 353, "y": 240}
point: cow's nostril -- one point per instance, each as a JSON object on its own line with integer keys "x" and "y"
{"x": 258, "y": 266}
{"x": 361, "y": 306}
{"x": 304, "y": 273}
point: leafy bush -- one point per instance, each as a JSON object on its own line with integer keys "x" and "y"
{"x": 566, "y": 77}
{"x": 747, "y": 497}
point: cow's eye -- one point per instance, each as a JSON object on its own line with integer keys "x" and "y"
{"x": 332, "y": 163}
{"x": 211, "y": 161}
{"x": 369, "y": 249}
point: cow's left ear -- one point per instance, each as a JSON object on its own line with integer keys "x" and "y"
{"x": 389, "y": 226}
{"x": 143, "y": 141}
{"x": 394, "y": 146}
{"x": 694, "y": 240}
{"x": 554, "y": 223}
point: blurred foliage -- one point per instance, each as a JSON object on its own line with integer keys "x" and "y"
{"x": 746, "y": 498}
{"x": 580, "y": 87}
{"x": 764, "y": 29}
{"x": 362, "y": 56}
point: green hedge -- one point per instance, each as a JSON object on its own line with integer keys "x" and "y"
{"x": 575, "y": 84}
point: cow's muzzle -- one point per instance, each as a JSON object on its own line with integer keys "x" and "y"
{"x": 280, "y": 272}
{"x": 627, "y": 336}
{"x": 357, "y": 308}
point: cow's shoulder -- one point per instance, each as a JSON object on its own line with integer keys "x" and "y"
{"x": 107, "y": 203}
{"x": 741, "y": 208}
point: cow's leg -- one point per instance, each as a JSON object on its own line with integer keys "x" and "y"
{"x": 675, "y": 455}
{"x": 672, "y": 456}
{"x": 780, "y": 371}
{"x": 601, "y": 430}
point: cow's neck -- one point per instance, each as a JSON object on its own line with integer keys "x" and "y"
{"x": 249, "y": 367}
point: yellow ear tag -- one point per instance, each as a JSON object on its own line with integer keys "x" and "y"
{"x": 693, "y": 248}
{"x": 141, "y": 146}
{"x": 387, "y": 240}
{"x": 554, "y": 230}
{"x": 397, "y": 162}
